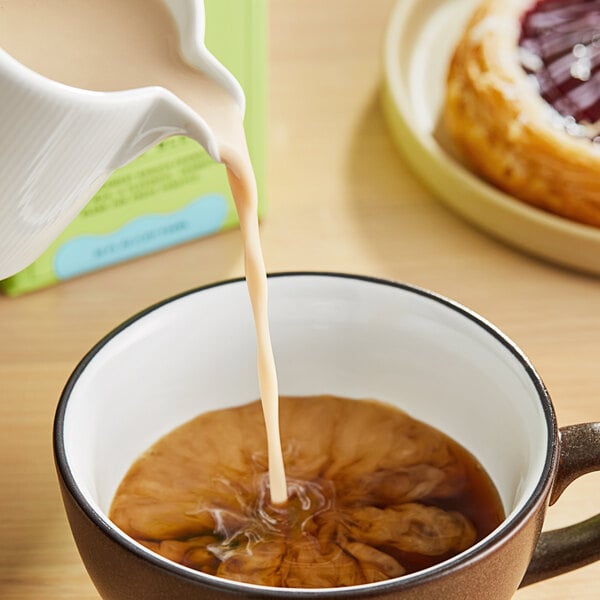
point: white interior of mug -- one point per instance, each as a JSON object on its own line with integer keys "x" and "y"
{"x": 331, "y": 334}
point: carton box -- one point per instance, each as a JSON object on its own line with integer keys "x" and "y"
{"x": 174, "y": 192}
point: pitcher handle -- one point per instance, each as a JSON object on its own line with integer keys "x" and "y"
{"x": 569, "y": 548}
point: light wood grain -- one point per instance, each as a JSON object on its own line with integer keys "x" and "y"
{"x": 340, "y": 199}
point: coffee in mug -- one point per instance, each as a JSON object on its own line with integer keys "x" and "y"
{"x": 373, "y": 494}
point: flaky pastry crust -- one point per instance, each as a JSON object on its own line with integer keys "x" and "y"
{"x": 506, "y": 131}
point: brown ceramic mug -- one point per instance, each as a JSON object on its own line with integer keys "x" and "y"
{"x": 337, "y": 334}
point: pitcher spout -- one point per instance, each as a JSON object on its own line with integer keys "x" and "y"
{"x": 164, "y": 116}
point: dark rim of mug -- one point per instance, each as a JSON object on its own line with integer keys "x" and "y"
{"x": 472, "y": 555}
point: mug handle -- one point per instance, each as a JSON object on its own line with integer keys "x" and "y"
{"x": 569, "y": 548}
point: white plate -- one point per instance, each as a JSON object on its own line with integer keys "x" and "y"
{"x": 418, "y": 46}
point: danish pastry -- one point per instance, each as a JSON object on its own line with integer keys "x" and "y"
{"x": 523, "y": 102}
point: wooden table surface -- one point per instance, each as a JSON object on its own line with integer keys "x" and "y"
{"x": 340, "y": 199}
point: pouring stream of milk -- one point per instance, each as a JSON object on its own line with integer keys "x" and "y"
{"x": 108, "y": 45}
{"x": 243, "y": 187}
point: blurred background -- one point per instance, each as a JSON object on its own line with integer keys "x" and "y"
{"x": 340, "y": 198}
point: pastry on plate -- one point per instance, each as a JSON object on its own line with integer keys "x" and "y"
{"x": 523, "y": 102}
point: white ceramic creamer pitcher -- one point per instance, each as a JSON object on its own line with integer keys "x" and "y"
{"x": 59, "y": 144}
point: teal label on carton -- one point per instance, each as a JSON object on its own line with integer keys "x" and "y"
{"x": 142, "y": 235}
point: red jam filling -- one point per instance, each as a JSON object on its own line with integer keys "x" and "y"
{"x": 561, "y": 43}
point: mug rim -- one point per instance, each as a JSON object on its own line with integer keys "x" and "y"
{"x": 473, "y": 554}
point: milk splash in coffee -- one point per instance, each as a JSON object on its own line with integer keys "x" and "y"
{"x": 110, "y": 45}
{"x": 373, "y": 494}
